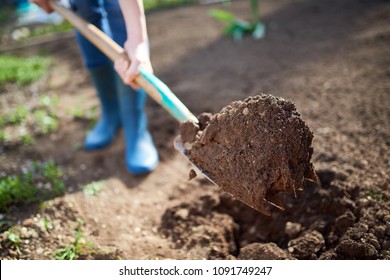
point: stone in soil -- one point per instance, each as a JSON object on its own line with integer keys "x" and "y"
{"x": 257, "y": 150}
{"x": 267, "y": 251}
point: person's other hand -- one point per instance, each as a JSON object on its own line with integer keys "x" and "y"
{"x": 139, "y": 57}
{"x": 44, "y": 5}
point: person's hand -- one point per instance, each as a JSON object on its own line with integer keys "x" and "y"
{"x": 139, "y": 57}
{"x": 44, "y": 5}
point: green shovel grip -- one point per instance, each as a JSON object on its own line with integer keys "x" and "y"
{"x": 161, "y": 93}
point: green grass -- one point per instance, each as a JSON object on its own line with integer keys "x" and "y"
{"x": 49, "y": 29}
{"x": 158, "y": 4}
{"x": 40, "y": 182}
{"x": 22, "y": 71}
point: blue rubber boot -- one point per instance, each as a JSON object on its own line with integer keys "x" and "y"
{"x": 141, "y": 155}
{"x": 104, "y": 80}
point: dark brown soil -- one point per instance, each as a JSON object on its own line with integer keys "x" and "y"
{"x": 257, "y": 149}
{"x": 330, "y": 57}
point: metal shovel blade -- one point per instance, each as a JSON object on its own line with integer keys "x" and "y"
{"x": 180, "y": 148}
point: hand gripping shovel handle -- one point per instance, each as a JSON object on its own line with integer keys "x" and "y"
{"x": 154, "y": 87}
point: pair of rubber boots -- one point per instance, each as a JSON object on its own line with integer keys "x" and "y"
{"x": 122, "y": 106}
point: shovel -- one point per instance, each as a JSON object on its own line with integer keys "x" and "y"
{"x": 153, "y": 86}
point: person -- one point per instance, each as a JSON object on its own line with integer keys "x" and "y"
{"x": 122, "y": 102}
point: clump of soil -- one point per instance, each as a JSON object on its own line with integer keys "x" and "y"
{"x": 256, "y": 149}
{"x": 266, "y": 251}
{"x": 198, "y": 228}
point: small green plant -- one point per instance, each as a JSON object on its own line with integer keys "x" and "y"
{"x": 72, "y": 251}
{"x": 45, "y": 118}
{"x": 49, "y": 101}
{"x": 39, "y": 182}
{"x": 89, "y": 114}
{"x": 13, "y": 239}
{"x": 21, "y": 124}
{"x": 53, "y": 174}
{"x": 20, "y": 70}
{"x": 45, "y": 225}
{"x": 26, "y": 139}
{"x": 94, "y": 188}
{"x": 373, "y": 195}
{"x": 236, "y": 27}
{"x": 77, "y": 113}
{"x": 46, "y": 123}
{"x": 3, "y": 136}
{"x": 18, "y": 116}
{"x": 76, "y": 249}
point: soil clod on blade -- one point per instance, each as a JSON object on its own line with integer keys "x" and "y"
{"x": 257, "y": 150}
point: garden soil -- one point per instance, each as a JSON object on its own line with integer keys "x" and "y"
{"x": 330, "y": 58}
{"x": 257, "y": 149}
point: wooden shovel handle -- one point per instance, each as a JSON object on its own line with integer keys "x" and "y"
{"x": 149, "y": 82}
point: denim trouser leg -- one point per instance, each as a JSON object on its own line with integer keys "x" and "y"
{"x": 92, "y": 12}
{"x": 116, "y": 21}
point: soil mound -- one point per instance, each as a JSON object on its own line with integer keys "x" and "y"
{"x": 256, "y": 149}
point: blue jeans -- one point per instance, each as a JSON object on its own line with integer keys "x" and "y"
{"x": 107, "y": 16}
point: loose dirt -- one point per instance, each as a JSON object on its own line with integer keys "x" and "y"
{"x": 257, "y": 149}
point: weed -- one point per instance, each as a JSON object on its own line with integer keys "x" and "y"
{"x": 13, "y": 239}
{"x": 18, "y": 116}
{"x": 77, "y": 113}
{"x": 94, "y": 188}
{"x": 3, "y": 136}
{"x": 72, "y": 251}
{"x": 89, "y": 114}
{"x": 236, "y": 27}
{"x": 49, "y": 101}
{"x": 45, "y": 118}
{"x": 372, "y": 195}
{"x": 76, "y": 249}
{"x": 37, "y": 183}
{"x": 21, "y": 124}
{"x": 45, "y": 225}
{"x": 20, "y": 70}
{"x": 26, "y": 139}
{"x": 45, "y": 122}
{"x": 53, "y": 174}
